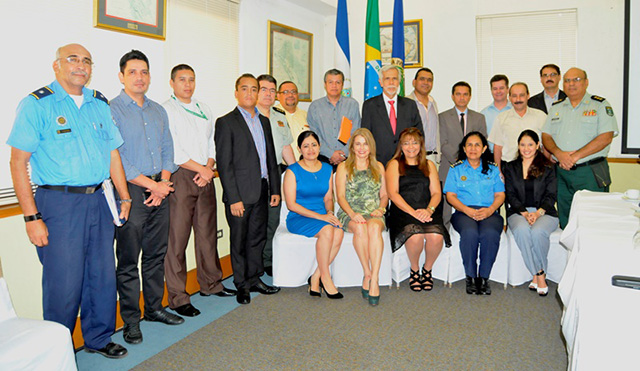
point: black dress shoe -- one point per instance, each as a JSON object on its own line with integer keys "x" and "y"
{"x": 132, "y": 334}
{"x": 264, "y": 289}
{"x": 187, "y": 310}
{"x": 478, "y": 284}
{"x": 111, "y": 350}
{"x": 471, "y": 286}
{"x": 269, "y": 271}
{"x": 486, "y": 289}
{"x": 243, "y": 297}
{"x": 225, "y": 292}
{"x": 163, "y": 316}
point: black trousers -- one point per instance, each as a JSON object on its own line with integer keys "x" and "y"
{"x": 146, "y": 231}
{"x": 248, "y": 237}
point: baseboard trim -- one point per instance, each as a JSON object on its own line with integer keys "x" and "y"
{"x": 192, "y": 288}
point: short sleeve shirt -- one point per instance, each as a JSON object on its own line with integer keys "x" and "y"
{"x": 471, "y": 186}
{"x": 280, "y": 130}
{"x": 510, "y": 124}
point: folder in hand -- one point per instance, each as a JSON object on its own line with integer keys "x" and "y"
{"x": 345, "y": 131}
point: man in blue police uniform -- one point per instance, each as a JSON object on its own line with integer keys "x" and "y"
{"x": 147, "y": 158}
{"x": 65, "y": 131}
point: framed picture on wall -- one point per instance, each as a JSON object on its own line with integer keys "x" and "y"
{"x": 290, "y": 57}
{"x": 412, "y": 43}
{"x": 139, "y": 17}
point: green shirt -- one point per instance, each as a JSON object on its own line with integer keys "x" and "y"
{"x": 572, "y": 128}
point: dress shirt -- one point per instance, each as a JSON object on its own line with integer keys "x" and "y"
{"x": 466, "y": 118}
{"x": 280, "y": 132}
{"x": 508, "y": 127}
{"x": 429, "y": 117}
{"x": 148, "y": 146}
{"x": 325, "y": 119}
{"x": 549, "y": 99}
{"x": 192, "y": 135}
{"x": 68, "y": 146}
{"x": 388, "y": 105}
{"x": 255, "y": 127}
{"x": 471, "y": 186}
{"x": 490, "y": 113}
{"x": 297, "y": 123}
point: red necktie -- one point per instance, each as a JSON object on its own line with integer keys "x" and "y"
{"x": 392, "y": 117}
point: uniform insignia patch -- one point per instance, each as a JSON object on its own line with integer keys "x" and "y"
{"x": 42, "y": 92}
{"x": 98, "y": 95}
{"x": 61, "y": 121}
{"x": 463, "y": 178}
{"x": 456, "y": 164}
{"x": 278, "y": 109}
{"x": 609, "y": 110}
{"x": 597, "y": 98}
{"x": 558, "y": 101}
{"x": 589, "y": 113}
{"x": 281, "y": 124}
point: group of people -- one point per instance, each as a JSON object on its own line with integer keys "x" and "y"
{"x": 162, "y": 160}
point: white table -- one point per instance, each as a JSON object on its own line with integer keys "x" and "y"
{"x": 601, "y": 322}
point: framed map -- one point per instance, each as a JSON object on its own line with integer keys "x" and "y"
{"x": 412, "y": 43}
{"x": 139, "y": 17}
{"x": 290, "y": 54}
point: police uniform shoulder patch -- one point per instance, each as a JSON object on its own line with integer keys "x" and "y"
{"x": 456, "y": 164}
{"x": 597, "y": 98}
{"x": 42, "y": 92}
{"x": 98, "y": 95}
{"x": 558, "y": 101}
{"x": 279, "y": 110}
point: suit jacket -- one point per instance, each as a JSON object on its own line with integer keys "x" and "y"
{"x": 376, "y": 119}
{"x": 451, "y": 135}
{"x": 544, "y": 189}
{"x": 238, "y": 162}
{"x": 537, "y": 101}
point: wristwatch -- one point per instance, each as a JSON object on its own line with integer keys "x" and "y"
{"x": 31, "y": 218}
{"x": 541, "y": 211}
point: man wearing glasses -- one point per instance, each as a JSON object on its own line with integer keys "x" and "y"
{"x": 296, "y": 117}
{"x": 578, "y": 132}
{"x": 550, "y": 79}
{"x": 66, "y": 133}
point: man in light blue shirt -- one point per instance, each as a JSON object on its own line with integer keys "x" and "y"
{"x": 499, "y": 91}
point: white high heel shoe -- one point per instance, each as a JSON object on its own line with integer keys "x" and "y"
{"x": 533, "y": 286}
{"x": 542, "y": 291}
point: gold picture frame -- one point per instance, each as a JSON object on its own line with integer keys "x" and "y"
{"x": 290, "y": 57}
{"x": 150, "y": 17}
{"x": 412, "y": 43}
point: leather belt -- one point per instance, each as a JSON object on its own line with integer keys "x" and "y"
{"x": 87, "y": 190}
{"x": 590, "y": 162}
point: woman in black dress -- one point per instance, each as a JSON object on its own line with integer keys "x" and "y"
{"x": 415, "y": 216}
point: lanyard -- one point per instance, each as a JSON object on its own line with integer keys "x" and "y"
{"x": 201, "y": 114}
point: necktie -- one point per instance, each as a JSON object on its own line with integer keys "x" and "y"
{"x": 392, "y": 117}
{"x": 462, "y": 122}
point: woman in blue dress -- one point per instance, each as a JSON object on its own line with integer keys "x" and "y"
{"x": 308, "y": 192}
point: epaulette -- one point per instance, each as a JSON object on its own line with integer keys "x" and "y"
{"x": 492, "y": 163}
{"x": 597, "y": 98}
{"x": 558, "y": 101}
{"x": 456, "y": 164}
{"x": 42, "y": 92}
{"x": 278, "y": 109}
{"x": 98, "y": 95}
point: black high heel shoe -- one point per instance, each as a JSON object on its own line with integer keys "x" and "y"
{"x": 337, "y": 295}
{"x": 314, "y": 293}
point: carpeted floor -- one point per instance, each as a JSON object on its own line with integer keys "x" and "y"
{"x": 444, "y": 329}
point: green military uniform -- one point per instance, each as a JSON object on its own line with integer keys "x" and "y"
{"x": 571, "y": 129}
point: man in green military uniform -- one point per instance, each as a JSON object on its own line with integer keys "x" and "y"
{"x": 578, "y": 132}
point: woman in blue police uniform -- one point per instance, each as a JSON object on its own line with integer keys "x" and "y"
{"x": 475, "y": 190}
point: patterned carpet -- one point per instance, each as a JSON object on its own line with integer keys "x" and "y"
{"x": 445, "y": 329}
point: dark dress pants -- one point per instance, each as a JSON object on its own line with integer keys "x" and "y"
{"x": 146, "y": 231}
{"x": 78, "y": 263}
{"x": 272, "y": 225}
{"x": 248, "y": 237}
{"x": 474, "y": 235}
{"x": 191, "y": 206}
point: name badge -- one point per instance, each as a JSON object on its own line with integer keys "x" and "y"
{"x": 63, "y": 131}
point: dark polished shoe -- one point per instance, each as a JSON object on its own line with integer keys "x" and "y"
{"x": 111, "y": 350}
{"x": 311, "y": 292}
{"x": 132, "y": 334}
{"x": 187, "y": 310}
{"x": 373, "y": 300}
{"x": 163, "y": 316}
{"x": 225, "y": 292}
{"x": 269, "y": 271}
{"x": 337, "y": 295}
{"x": 243, "y": 296}
{"x": 264, "y": 289}
{"x": 470, "y": 286}
{"x": 486, "y": 289}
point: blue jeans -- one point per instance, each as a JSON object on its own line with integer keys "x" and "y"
{"x": 533, "y": 240}
{"x": 483, "y": 235}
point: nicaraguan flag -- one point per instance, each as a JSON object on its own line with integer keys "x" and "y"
{"x": 372, "y": 56}
{"x": 342, "y": 56}
{"x": 397, "y": 51}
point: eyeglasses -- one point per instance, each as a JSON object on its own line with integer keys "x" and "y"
{"x": 552, "y": 74}
{"x": 266, "y": 90}
{"x": 74, "y": 59}
{"x": 287, "y": 92}
{"x": 575, "y": 79}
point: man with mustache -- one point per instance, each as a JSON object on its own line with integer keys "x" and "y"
{"x": 65, "y": 132}
{"x": 550, "y": 80}
{"x": 511, "y": 123}
{"x": 147, "y": 156}
{"x": 388, "y": 114}
{"x": 296, "y": 116}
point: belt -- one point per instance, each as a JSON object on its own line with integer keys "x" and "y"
{"x": 72, "y": 189}
{"x": 590, "y": 162}
{"x": 155, "y": 177}
{"x": 432, "y": 153}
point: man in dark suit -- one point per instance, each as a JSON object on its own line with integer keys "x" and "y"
{"x": 388, "y": 114}
{"x": 248, "y": 173}
{"x": 550, "y": 79}
{"x": 454, "y": 125}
